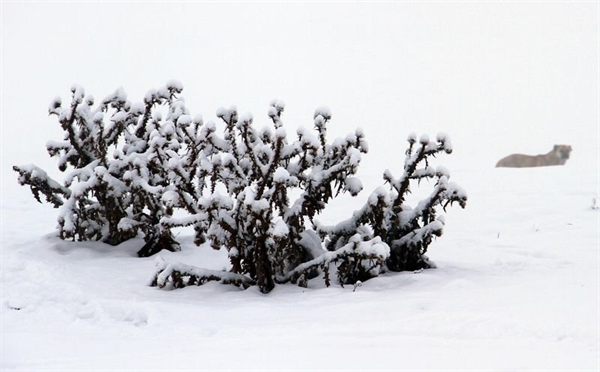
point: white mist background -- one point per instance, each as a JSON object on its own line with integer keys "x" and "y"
{"x": 497, "y": 77}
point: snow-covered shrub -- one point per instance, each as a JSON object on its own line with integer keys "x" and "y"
{"x": 264, "y": 231}
{"x": 113, "y": 155}
{"x": 150, "y": 167}
{"x": 386, "y": 234}
{"x": 152, "y": 153}
{"x": 406, "y": 230}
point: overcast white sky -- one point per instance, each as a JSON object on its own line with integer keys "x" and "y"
{"x": 498, "y": 77}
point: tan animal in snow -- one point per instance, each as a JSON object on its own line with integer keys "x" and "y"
{"x": 558, "y": 156}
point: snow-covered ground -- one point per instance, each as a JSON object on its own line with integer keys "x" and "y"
{"x": 516, "y": 288}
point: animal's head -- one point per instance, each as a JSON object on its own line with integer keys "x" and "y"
{"x": 562, "y": 151}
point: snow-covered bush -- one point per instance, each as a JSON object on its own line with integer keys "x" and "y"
{"x": 386, "y": 234}
{"x": 407, "y": 231}
{"x": 152, "y": 151}
{"x": 263, "y": 229}
{"x": 113, "y": 155}
{"x": 144, "y": 169}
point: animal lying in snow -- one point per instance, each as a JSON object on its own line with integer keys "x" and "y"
{"x": 558, "y": 156}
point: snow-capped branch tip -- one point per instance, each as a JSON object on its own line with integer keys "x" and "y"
{"x": 324, "y": 112}
{"x": 281, "y": 176}
{"x": 198, "y": 120}
{"x": 229, "y": 116}
{"x": 445, "y": 142}
{"x": 116, "y": 99}
{"x": 353, "y": 185}
{"x": 78, "y": 93}
{"x": 280, "y": 133}
{"x": 276, "y": 107}
{"x": 54, "y": 106}
{"x": 412, "y": 138}
{"x": 246, "y": 119}
{"x": 174, "y": 86}
{"x": 388, "y": 177}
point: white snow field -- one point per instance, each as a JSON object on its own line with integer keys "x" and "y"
{"x": 516, "y": 288}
